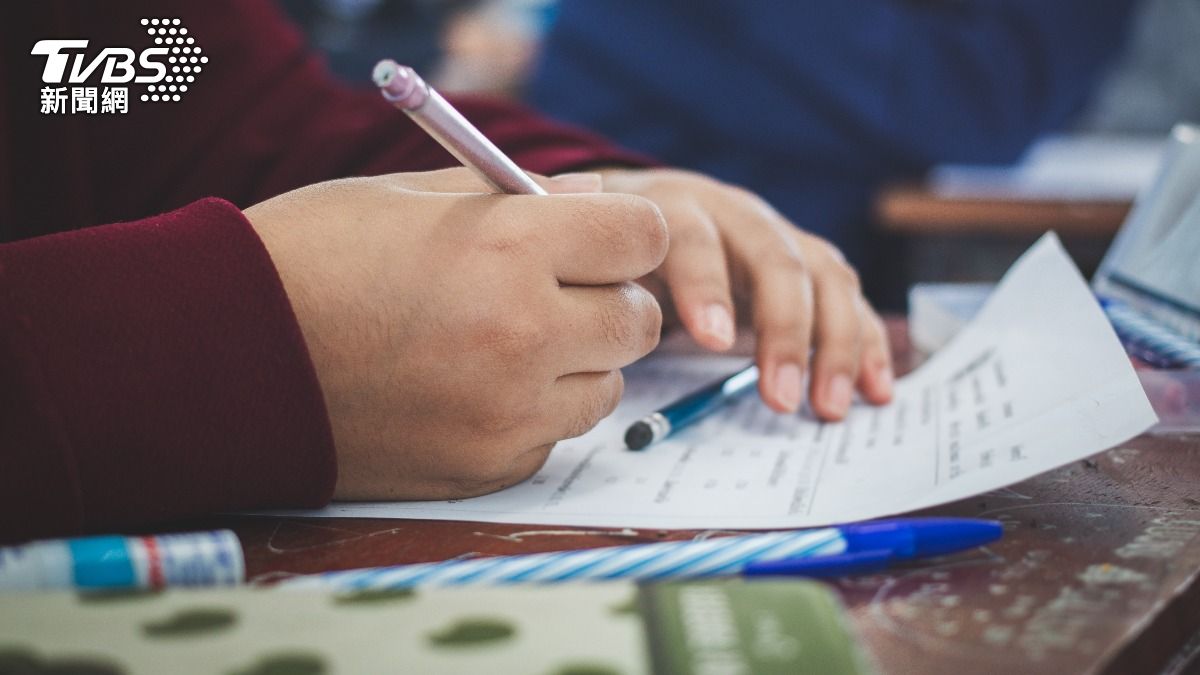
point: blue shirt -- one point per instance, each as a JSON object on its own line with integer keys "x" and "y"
{"x": 813, "y": 103}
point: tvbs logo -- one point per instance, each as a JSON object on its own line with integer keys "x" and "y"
{"x": 166, "y": 70}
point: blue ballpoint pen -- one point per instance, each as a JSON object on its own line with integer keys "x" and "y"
{"x": 849, "y": 549}
{"x": 695, "y": 406}
{"x": 873, "y": 546}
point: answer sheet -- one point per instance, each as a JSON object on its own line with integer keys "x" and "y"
{"x": 1037, "y": 380}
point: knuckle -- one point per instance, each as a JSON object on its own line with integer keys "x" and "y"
{"x": 512, "y": 338}
{"x": 783, "y": 258}
{"x": 784, "y": 347}
{"x": 759, "y": 207}
{"x": 841, "y": 356}
{"x": 508, "y": 242}
{"x": 472, "y": 478}
{"x": 880, "y": 335}
{"x": 782, "y": 328}
{"x": 614, "y": 390}
{"x": 649, "y": 318}
{"x": 651, "y": 328}
{"x": 693, "y": 230}
{"x": 745, "y": 195}
{"x": 619, "y": 324}
{"x": 644, "y": 224}
{"x": 874, "y": 330}
{"x": 820, "y": 248}
{"x": 526, "y": 464}
{"x": 587, "y": 415}
{"x": 631, "y": 319}
{"x": 840, "y": 330}
{"x": 596, "y": 403}
{"x": 846, "y": 275}
{"x": 600, "y": 228}
{"x": 498, "y": 418}
{"x": 788, "y": 333}
{"x": 497, "y": 469}
{"x": 622, "y": 226}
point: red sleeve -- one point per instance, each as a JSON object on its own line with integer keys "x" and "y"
{"x": 151, "y": 370}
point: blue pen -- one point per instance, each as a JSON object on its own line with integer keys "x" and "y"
{"x": 695, "y": 406}
{"x": 873, "y": 546}
{"x": 850, "y": 549}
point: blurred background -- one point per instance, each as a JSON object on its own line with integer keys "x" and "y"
{"x": 932, "y": 140}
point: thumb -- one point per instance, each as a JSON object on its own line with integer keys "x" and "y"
{"x": 571, "y": 183}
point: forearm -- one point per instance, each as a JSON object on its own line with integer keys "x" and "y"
{"x": 153, "y": 370}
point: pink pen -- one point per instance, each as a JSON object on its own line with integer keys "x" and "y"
{"x": 407, "y": 91}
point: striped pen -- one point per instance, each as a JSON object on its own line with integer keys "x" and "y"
{"x": 823, "y": 552}
{"x": 1150, "y": 340}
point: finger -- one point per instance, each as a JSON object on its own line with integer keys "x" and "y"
{"x": 838, "y": 333}
{"x": 605, "y": 327}
{"x": 579, "y": 401}
{"x": 697, "y": 274}
{"x": 782, "y": 300}
{"x": 875, "y": 379}
{"x": 595, "y": 239}
{"x": 658, "y": 288}
{"x": 781, "y": 296}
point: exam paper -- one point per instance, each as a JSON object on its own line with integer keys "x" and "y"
{"x": 1036, "y": 381}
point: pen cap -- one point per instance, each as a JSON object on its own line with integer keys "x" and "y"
{"x": 111, "y": 561}
{"x": 921, "y": 537}
{"x": 400, "y": 84}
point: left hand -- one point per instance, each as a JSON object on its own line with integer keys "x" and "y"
{"x": 729, "y": 249}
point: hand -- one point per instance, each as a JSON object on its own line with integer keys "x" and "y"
{"x": 456, "y": 335}
{"x": 728, "y": 244}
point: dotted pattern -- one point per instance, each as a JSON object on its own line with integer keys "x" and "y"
{"x": 185, "y": 59}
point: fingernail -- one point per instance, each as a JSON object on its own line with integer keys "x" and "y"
{"x": 840, "y": 394}
{"x": 718, "y": 322}
{"x": 885, "y": 379}
{"x": 788, "y": 386}
{"x": 578, "y": 182}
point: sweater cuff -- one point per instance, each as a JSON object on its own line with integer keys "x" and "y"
{"x": 166, "y": 375}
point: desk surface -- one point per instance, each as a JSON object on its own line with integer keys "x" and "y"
{"x": 907, "y": 209}
{"x": 1099, "y": 570}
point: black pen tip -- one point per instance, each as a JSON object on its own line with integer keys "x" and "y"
{"x": 639, "y": 436}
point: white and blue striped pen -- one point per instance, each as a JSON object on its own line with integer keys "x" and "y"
{"x": 812, "y": 552}
{"x": 1150, "y": 340}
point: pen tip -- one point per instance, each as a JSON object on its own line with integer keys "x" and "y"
{"x": 638, "y": 436}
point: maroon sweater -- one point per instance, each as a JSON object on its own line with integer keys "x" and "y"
{"x": 152, "y": 368}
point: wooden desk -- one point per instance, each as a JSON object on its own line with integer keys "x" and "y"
{"x": 1098, "y": 571}
{"x": 915, "y": 210}
{"x": 934, "y": 238}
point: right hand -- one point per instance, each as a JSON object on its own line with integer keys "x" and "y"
{"x": 457, "y": 335}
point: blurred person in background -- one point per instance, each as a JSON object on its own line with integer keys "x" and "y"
{"x": 815, "y": 104}
{"x": 465, "y": 46}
